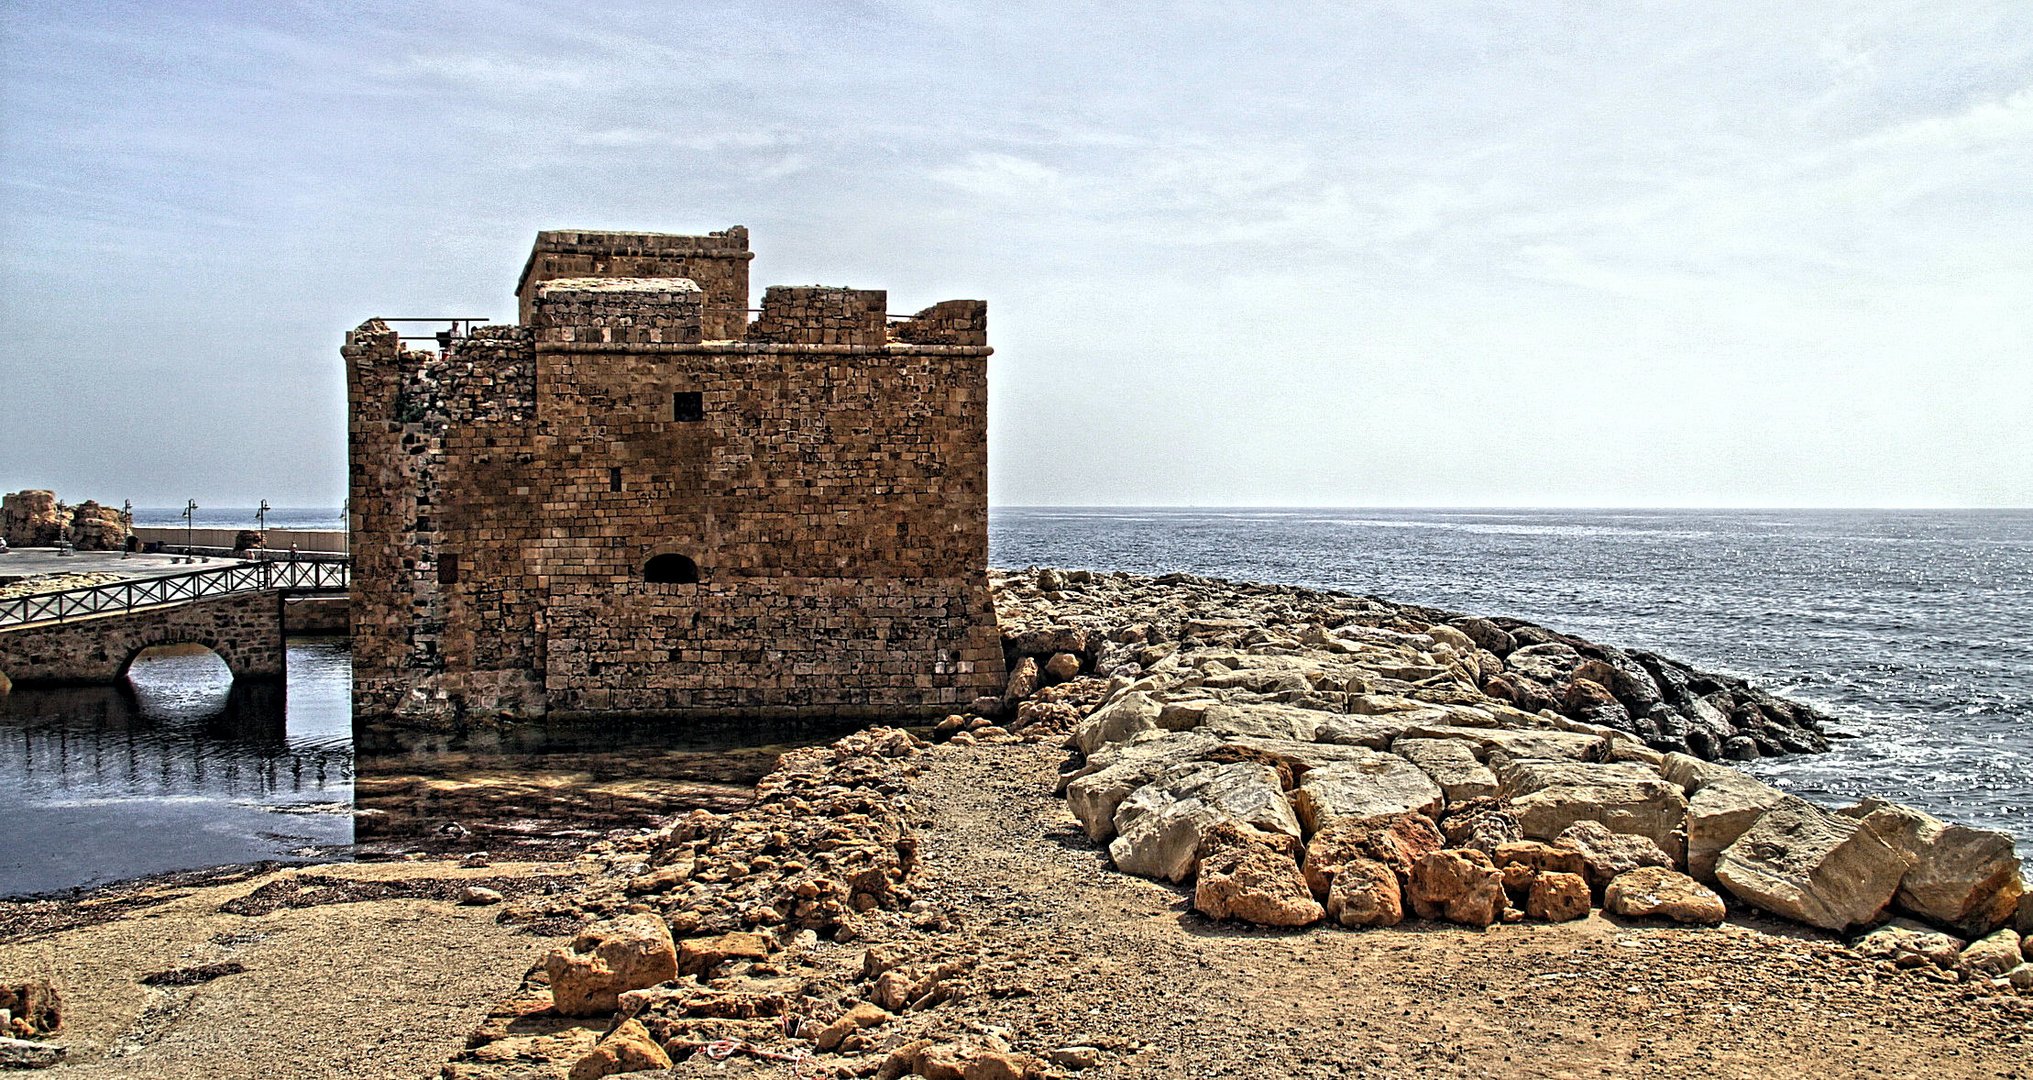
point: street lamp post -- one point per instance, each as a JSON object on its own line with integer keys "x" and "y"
{"x": 190, "y": 517}
{"x": 127, "y": 529}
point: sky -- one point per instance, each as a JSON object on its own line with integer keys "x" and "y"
{"x": 1369, "y": 254}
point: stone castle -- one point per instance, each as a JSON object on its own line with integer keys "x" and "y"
{"x": 638, "y": 501}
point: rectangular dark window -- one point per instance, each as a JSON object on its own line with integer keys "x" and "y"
{"x": 687, "y": 406}
{"x": 448, "y": 569}
{"x": 614, "y": 479}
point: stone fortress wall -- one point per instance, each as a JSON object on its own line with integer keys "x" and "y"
{"x": 621, "y": 507}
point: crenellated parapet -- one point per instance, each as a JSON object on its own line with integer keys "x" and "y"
{"x": 639, "y": 502}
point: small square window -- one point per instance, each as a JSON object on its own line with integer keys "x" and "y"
{"x": 448, "y": 569}
{"x": 687, "y": 406}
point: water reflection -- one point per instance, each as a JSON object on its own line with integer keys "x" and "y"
{"x": 183, "y": 768}
{"x": 187, "y": 769}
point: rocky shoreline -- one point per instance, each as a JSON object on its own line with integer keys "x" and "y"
{"x": 1283, "y": 757}
{"x": 1213, "y": 829}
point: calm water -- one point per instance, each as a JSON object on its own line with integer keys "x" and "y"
{"x": 182, "y": 771}
{"x": 1914, "y": 629}
{"x": 99, "y": 784}
{"x": 241, "y": 517}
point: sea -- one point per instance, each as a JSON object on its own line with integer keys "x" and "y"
{"x": 1912, "y": 629}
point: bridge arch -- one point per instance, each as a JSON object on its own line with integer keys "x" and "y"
{"x": 244, "y": 629}
{"x": 170, "y": 638}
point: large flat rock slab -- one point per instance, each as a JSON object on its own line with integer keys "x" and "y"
{"x": 1376, "y": 786}
{"x": 1803, "y": 863}
{"x": 1548, "y": 796}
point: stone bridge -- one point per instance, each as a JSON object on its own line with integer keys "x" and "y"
{"x": 244, "y": 628}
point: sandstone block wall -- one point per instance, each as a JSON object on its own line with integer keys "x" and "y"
{"x": 825, "y": 478}
{"x": 717, "y": 262}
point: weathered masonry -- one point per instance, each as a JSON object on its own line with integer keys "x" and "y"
{"x": 639, "y": 501}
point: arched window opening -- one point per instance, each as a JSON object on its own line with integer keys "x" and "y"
{"x": 671, "y": 570}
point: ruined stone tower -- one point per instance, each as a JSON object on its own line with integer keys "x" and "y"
{"x": 637, "y": 501}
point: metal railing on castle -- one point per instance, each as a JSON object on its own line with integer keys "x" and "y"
{"x": 136, "y": 593}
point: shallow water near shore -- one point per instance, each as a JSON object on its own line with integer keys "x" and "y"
{"x": 185, "y": 769}
{"x": 1914, "y": 629}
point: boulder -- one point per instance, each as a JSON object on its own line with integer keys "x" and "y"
{"x": 1535, "y": 743}
{"x": 1451, "y": 764}
{"x": 1370, "y": 732}
{"x": 1990, "y": 957}
{"x": 31, "y": 519}
{"x": 2020, "y": 977}
{"x": 1023, "y": 680}
{"x": 1117, "y": 721}
{"x": 864, "y": 1014}
{"x": 1458, "y": 886}
{"x": 1377, "y": 785}
{"x": 1365, "y": 892}
{"x": 1548, "y": 796}
{"x": 1296, "y": 757}
{"x": 1963, "y": 878}
{"x": 34, "y": 1006}
{"x": 1720, "y": 810}
{"x": 1159, "y": 828}
{"x": 1483, "y": 828}
{"x": 628, "y": 1048}
{"x": 610, "y": 958}
{"x": 1540, "y": 857}
{"x": 1264, "y": 721}
{"x": 97, "y": 528}
{"x": 1046, "y": 640}
{"x": 1557, "y": 897}
{"x": 1802, "y": 863}
{"x": 1393, "y": 840}
{"x": 1095, "y": 791}
{"x": 1655, "y": 892}
{"x": 700, "y": 956}
{"x": 29, "y": 1054}
{"x": 1606, "y": 856}
{"x": 1908, "y": 945}
{"x": 1551, "y": 663}
{"x": 1251, "y": 875}
{"x": 1062, "y": 666}
{"x": 1453, "y": 638}
{"x": 1485, "y": 634}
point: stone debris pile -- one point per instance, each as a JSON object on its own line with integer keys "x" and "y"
{"x": 1301, "y": 756}
{"x": 704, "y": 939}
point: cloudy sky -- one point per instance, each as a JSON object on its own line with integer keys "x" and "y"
{"x": 1416, "y": 253}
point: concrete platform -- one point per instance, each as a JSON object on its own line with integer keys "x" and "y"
{"x": 38, "y": 562}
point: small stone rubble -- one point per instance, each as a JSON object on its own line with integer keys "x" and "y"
{"x": 1405, "y": 762}
{"x": 707, "y": 938}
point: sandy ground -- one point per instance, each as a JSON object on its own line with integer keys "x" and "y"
{"x": 377, "y": 988}
{"x": 1087, "y": 955}
{"x": 1071, "y": 953}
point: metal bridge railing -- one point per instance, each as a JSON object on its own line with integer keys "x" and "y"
{"x": 135, "y": 593}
